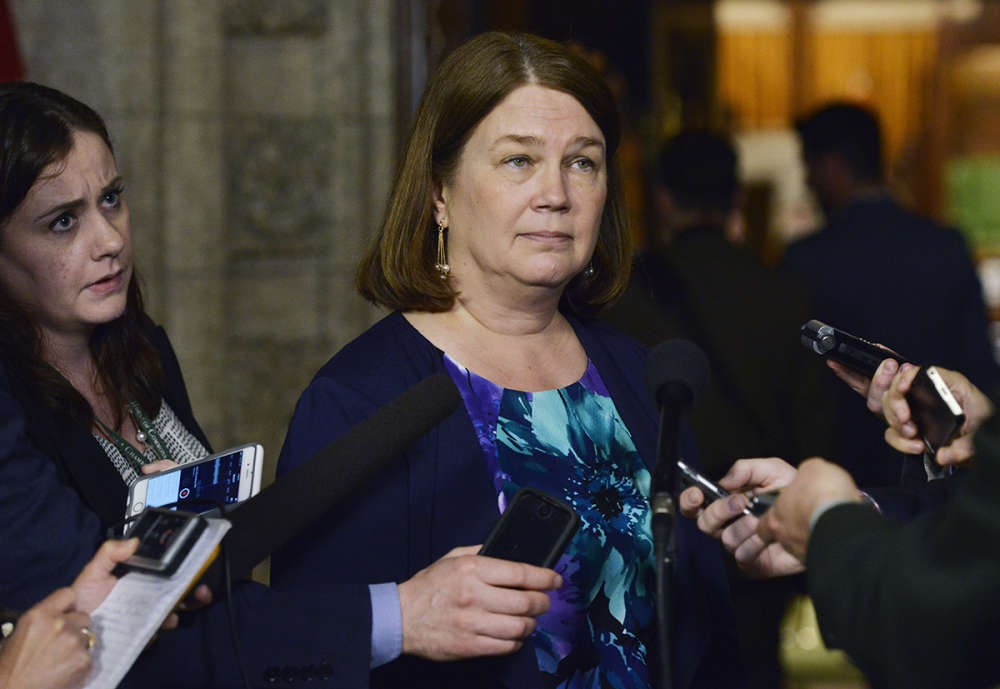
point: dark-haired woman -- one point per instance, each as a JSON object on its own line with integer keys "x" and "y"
{"x": 502, "y": 238}
{"x": 91, "y": 392}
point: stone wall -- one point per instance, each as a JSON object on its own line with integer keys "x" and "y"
{"x": 257, "y": 140}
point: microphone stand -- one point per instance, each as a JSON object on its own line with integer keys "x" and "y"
{"x": 663, "y": 503}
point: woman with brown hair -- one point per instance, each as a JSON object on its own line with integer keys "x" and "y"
{"x": 502, "y": 238}
{"x": 91, "y": 395}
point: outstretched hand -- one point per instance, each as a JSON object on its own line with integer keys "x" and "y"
{"x": 95, "y": 581}
{"x": 722, "y": 518}
{"x": 902, "y": 433}
{"x": 787, "y": 522}
{"x": 872, "y": 389}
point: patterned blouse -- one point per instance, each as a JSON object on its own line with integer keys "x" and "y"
{"x": 183, "y": 446}
{"x": 572, "y": 444}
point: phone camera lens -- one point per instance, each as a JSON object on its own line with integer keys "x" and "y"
{"x": 544, "y": 511}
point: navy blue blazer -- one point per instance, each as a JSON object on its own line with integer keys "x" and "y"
{"x": 58, "y": 493}
{"x": 440, "y": 496}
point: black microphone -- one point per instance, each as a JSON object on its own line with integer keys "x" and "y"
{"x": 677, "y": 375}
{"x": 264, "y": 523}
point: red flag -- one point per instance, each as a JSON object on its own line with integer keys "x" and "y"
{"x": 11, "y": 67}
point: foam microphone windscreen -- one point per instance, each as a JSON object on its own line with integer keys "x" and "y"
{"x": 298, "y": 498}
{"x": 674, "y": 365}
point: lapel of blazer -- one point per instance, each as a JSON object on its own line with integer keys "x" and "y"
{"x": 80, "y": 460}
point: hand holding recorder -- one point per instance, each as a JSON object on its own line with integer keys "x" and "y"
{"x": 935, "y": 415}
{"x": 904, "y": 423}
{"x": 726, "y": 518}
{"x": 817, "y": 483}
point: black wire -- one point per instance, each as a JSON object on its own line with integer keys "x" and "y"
{"x": 113, "y": 529}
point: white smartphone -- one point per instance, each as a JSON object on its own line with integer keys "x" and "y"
{"x": 227, "y": 477}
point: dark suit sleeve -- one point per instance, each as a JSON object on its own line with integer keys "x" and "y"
{"x": 47, "y": 533}
{"x": 915, "y": 605}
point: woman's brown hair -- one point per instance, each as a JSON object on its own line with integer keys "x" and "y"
{"x": 36, "y": 130}
{"x": 398, "y": 269}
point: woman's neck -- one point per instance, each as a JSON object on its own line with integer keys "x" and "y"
{"x": 531, "y": 347}
{"x": 505, "y": 310}
{"x": 71, "y": 356}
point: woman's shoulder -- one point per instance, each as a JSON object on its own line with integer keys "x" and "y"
{"x": 596, "y": 333}
{"x": 389, "y": 355}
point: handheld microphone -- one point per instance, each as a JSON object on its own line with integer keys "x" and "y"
{"x": 264, "y": 523}
{"x": 677, "y": 375}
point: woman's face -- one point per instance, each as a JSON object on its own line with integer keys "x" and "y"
{"x": 66, "y": 251}
{"x": 524, "y": 207}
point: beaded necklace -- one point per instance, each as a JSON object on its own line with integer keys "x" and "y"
{"x": 145, "y": 432}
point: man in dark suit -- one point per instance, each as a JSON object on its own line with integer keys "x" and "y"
{"x": 885, "y": 274}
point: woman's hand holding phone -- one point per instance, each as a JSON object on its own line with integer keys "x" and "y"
{"x": 467, "y": 605}
{"x": 158, "y": 466}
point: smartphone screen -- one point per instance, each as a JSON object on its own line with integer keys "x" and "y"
{"x": 217, "y": 480}
{"x": 226, "y": 478}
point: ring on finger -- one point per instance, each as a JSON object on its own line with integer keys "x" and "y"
{"x": 91, "y": 637}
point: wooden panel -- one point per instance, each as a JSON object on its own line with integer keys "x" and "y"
{"x": 754, "y": 77}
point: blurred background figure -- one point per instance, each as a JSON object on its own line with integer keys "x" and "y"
{"x": 766, "y": 396}
{"x": 695, "y": 281}
{"x": 885, "y": 274}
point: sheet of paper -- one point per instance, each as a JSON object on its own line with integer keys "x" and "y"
{"x": 136, "y": 607}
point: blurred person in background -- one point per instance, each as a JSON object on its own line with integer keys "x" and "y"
{"x": 880, "y": 272}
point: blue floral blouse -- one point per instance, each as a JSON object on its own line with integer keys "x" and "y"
{"x": 572, "y": 444}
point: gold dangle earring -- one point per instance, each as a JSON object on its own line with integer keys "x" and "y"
{"x": 442, "y": 266}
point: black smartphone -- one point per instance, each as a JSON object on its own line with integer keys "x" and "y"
{"x": 758, "y": 503}
{"x": 535, "y": 529}
{"x": 850, "y": 350}
{"x": 936, "y": 412}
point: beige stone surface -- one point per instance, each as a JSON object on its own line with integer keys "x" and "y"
{"x": 274, "y": 76}
{"x": 192, "y": 203}
{"x": 275, "y": 298}
{"x": 200, "y": 334}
